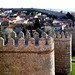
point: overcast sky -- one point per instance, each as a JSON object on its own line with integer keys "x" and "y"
{"x": 55, "y": 4}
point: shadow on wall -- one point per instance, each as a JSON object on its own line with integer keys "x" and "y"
{"x": 59, "y": 74}
{"x": 73, "y": 53}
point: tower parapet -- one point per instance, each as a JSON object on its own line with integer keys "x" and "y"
{"x": 21, "y": 34}
{"x": 36, "y": 36}
{"x": 28, "y": 35}
{"x": 44, "y": 35}
{"x": 13, "y": 35}
{"x": 63, "y": 49}
{"x": 27, "y": 59}
{"x": 72, "y": 31}
{"x": 36, "y": 59}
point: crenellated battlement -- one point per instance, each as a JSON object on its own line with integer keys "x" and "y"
{"x": 28, "y": 35}
{"x": 31, "y": 41}
{"x": 72, "y": 31}
{"x": 43, "y": 44}
{"x": 27, "y": 59}
{"x": 62, "y": 46}
{"x": 34, "y": 55}
{"x": 62, "y": 36}
{"x": 45, "y": 39}
{"x": 70, "y": 28}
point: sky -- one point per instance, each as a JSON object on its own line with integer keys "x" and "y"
{"x": 52, "y": 4}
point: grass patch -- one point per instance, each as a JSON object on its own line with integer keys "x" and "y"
{"x": 73, "y": 69}
{"x": 73, "y": 58}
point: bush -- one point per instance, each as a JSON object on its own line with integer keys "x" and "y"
{"x": 39, "y": 31}
{"x": 48, "y": 29}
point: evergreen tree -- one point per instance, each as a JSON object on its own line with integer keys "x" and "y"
{"x": 33, "y": 13}
{"x": 69, "y": 16}
{"x": 24, "y": 30}
{"x": 36, "y": 24}
{"x": 39, "y": 31}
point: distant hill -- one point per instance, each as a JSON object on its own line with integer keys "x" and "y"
{"x": 50, "y": 12}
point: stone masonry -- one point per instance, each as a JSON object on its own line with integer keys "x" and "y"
{"x": 72, "y": 31}
{"x": 62, "y": 46}
{"x": 37, "y": 57}
{"x": 28, "y": 59}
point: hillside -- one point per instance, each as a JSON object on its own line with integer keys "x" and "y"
{"x": 49, "y": 12}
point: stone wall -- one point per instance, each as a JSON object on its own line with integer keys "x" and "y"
{"x": 35, "y": 56}
{"x": 28, "y": 59}
{"x": 62, "y": 46}
{"x": 28, "y": 35}
{"x": 72, "y": 31}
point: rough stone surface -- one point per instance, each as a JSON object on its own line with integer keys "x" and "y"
{"x": 63, "y": 54}
{"x": 72, "y": 31}
{"x": 27, "y": 59}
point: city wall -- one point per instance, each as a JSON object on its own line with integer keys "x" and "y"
{"x": 63, "y": 49}
{"x": 26, "y": 59}
{"x": 36, "y": 56}
{"x": 72, "y": 31}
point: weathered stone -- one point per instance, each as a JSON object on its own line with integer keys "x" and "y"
{"x": 62, "y": 46}
{"x": 27, "y": 59}
{"x": 38, "y": 59}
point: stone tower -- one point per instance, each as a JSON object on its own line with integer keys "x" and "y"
{"x": 28, "y": 59}
{"x": 63, "y": 52}
{"x": 72, "y": 31}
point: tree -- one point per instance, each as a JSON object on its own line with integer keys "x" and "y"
{"x": 48, "y": 29}
{"x": 37, "y": 24}
{"x": 33, "y": 13}
{"x": 24, "y": 30}
{"x": 39, "y": 31}
{"x": 61, "y": 11}
{"x": 69, "y": 16}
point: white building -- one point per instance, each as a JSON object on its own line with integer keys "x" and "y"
{"x": 59, "y": 27}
